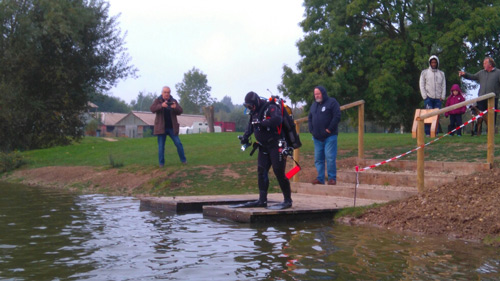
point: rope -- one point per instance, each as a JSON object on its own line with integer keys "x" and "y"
{"x": 432, "y": 141}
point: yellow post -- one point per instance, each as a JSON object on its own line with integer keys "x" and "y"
{"x": 361, "y": 131}
{"x": 491, "y": 131}
{"x": 296, "y": 152}
{"x": 420, "y": 155}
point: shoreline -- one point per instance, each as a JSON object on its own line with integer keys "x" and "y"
{"x": 436, "y": 212}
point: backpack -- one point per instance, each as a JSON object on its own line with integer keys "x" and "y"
{"x": 287, "y": 127}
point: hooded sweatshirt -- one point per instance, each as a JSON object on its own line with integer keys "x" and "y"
{"x": 433, "y": 82}
{"x": 324, "y": 115}
{"x": 452, "y": 99}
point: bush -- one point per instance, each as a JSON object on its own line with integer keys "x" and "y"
{"x": 10, "y": 161}
{"x": 114, "y": 164}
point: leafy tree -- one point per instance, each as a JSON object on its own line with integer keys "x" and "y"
{"x": 110, "y": 104}
{"x": 143, "y": 101}
{"x": 194, "y": 91}
{"x": 227, "y": 103}
{"x": 375, "y": 50}
{"x": 54, "y": 55}
{"x": 239, "y": 118}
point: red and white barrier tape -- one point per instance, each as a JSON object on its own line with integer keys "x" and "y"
{"x": 421, "y": 146}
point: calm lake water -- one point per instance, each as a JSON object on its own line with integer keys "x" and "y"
{"x": 49, "y": 234}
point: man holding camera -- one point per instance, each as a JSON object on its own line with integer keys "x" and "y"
{"x": 265, "y": 118}
{"x": 166, "y": 109}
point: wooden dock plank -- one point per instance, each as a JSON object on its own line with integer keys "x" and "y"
{"x": 192, "y": 203}
{"x": 305, "y": 207}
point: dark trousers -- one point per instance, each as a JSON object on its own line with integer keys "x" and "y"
{"x": 455, "y": 121}
{"x": 269, "y": 156}
{"x": 483, "y": 105}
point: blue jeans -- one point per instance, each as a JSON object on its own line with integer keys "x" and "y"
{"x": 326, "y": 149}
{"x": 161, "y": 146}
{"x": 430, "y": 104}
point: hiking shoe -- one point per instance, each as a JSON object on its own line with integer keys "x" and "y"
{"x": 332, "y": 182}
{"x": 161, "y": 165}
{"x": 184, "y": 163}
{"x": 251, "y": 204}
{"x": 280, "y": 206}
{"x": 316, "y": 181}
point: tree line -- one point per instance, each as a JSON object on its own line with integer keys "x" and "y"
{"x": 194, "y": 95}
{"x": 58, "y": 55}
{"x": 376, "y": 50}
{"x": 54, "y": 57}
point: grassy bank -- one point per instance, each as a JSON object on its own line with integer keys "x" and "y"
{"x": 217, "y": 165}
{"x": 223, "y": 149}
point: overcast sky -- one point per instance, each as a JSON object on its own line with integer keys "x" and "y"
{"x": 240, "y": 45}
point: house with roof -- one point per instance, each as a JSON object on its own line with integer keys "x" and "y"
{"x": 108, "y": 124}
{"x": 139, "y": 124}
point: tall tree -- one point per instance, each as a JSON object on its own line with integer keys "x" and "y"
{"x": 55, "y": 55}
{"x": 375, "y": 50}
{"x": 143, "y": 101}
{"x": 106, "y": 103}
{"x": 194, "y": 91}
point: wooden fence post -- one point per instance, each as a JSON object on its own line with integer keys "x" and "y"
{"x": 420, "y": 155}
{"x": 361, "y": 131}
{"x": 491, "y": 132}
{"x": 296, "y": 153}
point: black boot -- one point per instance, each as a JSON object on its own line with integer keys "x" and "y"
{"x": 281, "y": 206}
{"x": 251, "y": 204}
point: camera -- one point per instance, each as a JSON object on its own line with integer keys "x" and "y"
{"x": 170, "y": 103}
{"x": 288, "y": 151}
{"x": 284, "y": 150}
{"x": 245, "y": 143}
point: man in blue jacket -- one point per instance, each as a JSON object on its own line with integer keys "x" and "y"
{"x": 324, "y": 118}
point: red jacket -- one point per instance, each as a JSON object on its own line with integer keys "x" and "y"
{"x": 452, "y": 99}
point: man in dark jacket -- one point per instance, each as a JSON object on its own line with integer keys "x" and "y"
{"x": 324, "y": 118}
{"x": 166, "y": 109}
{"x": 263, "y": 123}
{"x": 489, "y": 82}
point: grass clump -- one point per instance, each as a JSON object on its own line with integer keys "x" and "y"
{"x": 114, "y": 164}
{"x": 356, "y": 212}
{"x": 11, "y": 161}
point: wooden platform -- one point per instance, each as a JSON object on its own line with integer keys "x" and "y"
{"x": 305, "y": 206}
{"x": 321, "y": 201}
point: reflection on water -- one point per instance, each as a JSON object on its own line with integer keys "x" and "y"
{"x": 49, "y": 235}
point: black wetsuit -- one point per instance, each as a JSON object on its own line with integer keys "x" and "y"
{"x": 264, "y": 123}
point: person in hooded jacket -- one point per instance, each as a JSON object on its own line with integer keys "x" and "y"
{"x": 324, "y": 118}
{"x": 265, "y": 118}
{"x": 432, "y": 87}
{"x": 455, "y": 114}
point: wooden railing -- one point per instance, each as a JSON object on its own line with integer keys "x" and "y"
{"x": 420, "y": 134}
{"x": 361, "y": 131}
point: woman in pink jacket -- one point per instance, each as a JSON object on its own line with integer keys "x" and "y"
{"x": 455, "y": 114}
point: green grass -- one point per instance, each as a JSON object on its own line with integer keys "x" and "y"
{"x": 210, "y": 156}
{"x": 355, "y": 212}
